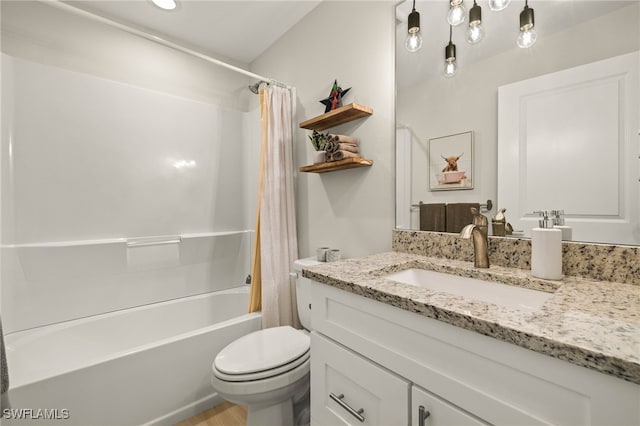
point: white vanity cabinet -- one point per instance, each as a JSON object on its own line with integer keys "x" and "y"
{"x": 459, "y": 376}
{"x": 429, "y": 409}
{"x": 351, "y": 390}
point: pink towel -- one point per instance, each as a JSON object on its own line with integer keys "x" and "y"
{"x": 348, "y": 147}
{"x": 331, "y": 146}
{"x": 341, "y": 155}
{"x": 343, "y": 139}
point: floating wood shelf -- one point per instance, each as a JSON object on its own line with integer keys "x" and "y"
{"x": 332, "y": 166}
{"x": 338, "y": 116}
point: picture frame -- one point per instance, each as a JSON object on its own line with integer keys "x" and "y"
{"x": 451, "y": 162}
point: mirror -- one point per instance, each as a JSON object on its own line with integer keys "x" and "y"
{"x": 429, "y": 105}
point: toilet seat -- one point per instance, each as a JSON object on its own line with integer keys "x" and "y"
{"x": 262, "y": 374}
{"x": 262, "y": 354}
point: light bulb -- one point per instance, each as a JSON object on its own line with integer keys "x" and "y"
{"x": 414, "y": 42}
{"x": 527, "y": 38}
{"x": 456, "y": 15}
{"x": 450, "y": 68}
{"x": 165, "y": 4}
{"x": 475, "y": 33}
{"x": 497, "y": 5}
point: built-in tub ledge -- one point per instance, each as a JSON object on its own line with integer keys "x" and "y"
{"x": 590, "y": 323}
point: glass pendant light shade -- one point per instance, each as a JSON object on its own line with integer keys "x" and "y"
{"x": 528, "y": 35}
{"x": 414, "y": 42}
{"x": 457, "y": 13}
{"x": 450, "y": 66}
{"x": 527, "y": 38}
{"x": 165, "y": 4}
{"x": 498, "y": 5}
{"x": 414, "y": 38}
{"x": 475, "y": 32}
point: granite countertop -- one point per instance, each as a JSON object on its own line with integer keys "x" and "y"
{"x": 590, "y": 323}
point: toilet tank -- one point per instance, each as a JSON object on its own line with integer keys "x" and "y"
{"x": 303, "y": 290}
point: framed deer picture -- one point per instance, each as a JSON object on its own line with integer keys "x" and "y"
{"x": 451, "y": 162}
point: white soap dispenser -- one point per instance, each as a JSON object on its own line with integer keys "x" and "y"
{"x": 546, "y": 249}
{"x": 558, "y": 223}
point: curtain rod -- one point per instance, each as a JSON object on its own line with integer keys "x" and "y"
{"x": 64, "y": 6}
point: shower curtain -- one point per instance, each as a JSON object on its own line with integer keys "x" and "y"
{"x": 276, "y": 244}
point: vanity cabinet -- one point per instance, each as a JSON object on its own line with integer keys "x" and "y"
{"x": 429, "y": 409}
{"x": 351, "y": 390}
{"x": 459, "y": 376}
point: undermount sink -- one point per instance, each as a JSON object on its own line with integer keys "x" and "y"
{"x": 471, "y": 288}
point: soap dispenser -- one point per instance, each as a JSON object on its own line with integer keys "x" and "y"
{"x": 558, "y": 223}
{"x": 546, "y": 249}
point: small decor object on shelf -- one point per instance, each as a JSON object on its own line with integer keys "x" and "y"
{"x": 339, "y": 147}
{"x": 319, "y": 141}
{"x": 335, "y": 97}
{"x": 499, "y": 223}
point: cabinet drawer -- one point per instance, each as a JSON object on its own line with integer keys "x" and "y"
{"x": 440, "y": 412}
{"x": 363, "y": 392}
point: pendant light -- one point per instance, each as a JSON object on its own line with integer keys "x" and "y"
{"x": 450, "y": 66}
{"x": 475, "y": 33}
{"x": 457, "y": 12}
{"x": 165, "y": 4}
{"x": 498, "y": 5}
{"x": 528, "y": 34}
{"x": 414, "y": 39}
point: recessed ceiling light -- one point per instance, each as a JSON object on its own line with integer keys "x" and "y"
{"x": 165, "y": 4}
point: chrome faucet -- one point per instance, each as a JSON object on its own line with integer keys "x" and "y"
{"x": 478, "y": 232}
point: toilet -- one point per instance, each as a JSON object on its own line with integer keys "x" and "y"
{"x": 268, "y": 370}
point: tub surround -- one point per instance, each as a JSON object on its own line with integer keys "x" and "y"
{"x": 591, "y": 323}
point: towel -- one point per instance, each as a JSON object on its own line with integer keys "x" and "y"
{"x": 459, "y": 215}
{"x": 341, "y": 155}
{"x": 433, "y": 217}
{"x": 348, "y": 147}
{"x": 331, "y": 146}
{"x": 4, "y": 372}
{"x": 343, "y": 139}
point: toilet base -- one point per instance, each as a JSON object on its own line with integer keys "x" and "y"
{"x": 274, "y": 414}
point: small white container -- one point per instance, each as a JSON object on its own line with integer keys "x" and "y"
{"x": 319, "y": 157}
{"x": 546, "y": 250}
{"x": 321, "y": 254}
{"x": 333, "y": 255}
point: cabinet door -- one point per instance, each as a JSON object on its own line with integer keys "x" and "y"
{"x": 347, "y": 389}
{"x": 437, "y": 411}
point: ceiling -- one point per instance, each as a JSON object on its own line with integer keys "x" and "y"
{"x": 236, "y": 30}
{"x": 501, "y": 31}
{"x": 241, "y": 30}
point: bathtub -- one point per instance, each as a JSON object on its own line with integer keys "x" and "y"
{"x": 144, "y": 365}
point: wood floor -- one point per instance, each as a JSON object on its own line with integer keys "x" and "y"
{"x": 225, "y": 414}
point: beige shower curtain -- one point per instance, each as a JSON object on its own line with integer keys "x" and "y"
{"x": 275, "y": 244}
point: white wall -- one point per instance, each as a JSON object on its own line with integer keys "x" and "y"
{"x": 469, "y": 101}
{"x": 351, "y": 41}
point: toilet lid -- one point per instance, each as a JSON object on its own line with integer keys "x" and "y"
{"x": 262, "y": 350}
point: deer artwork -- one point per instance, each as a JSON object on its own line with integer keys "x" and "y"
{"x": 452, "y": 163}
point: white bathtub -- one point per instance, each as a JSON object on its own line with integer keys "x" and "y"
{"x": 145, "y": 365}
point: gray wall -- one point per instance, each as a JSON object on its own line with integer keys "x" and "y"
{"x": 353, "y": 42}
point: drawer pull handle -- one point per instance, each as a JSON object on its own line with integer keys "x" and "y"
{"x": 355, "y": 413}
{"x": 423, "y": 415}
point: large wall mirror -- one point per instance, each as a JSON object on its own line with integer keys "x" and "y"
{"x": 538, "y": 143}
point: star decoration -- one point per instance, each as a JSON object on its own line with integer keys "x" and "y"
{"x": 335, "y": 97}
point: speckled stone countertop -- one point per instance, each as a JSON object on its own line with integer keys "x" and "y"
{"x": 590, "y": 323}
